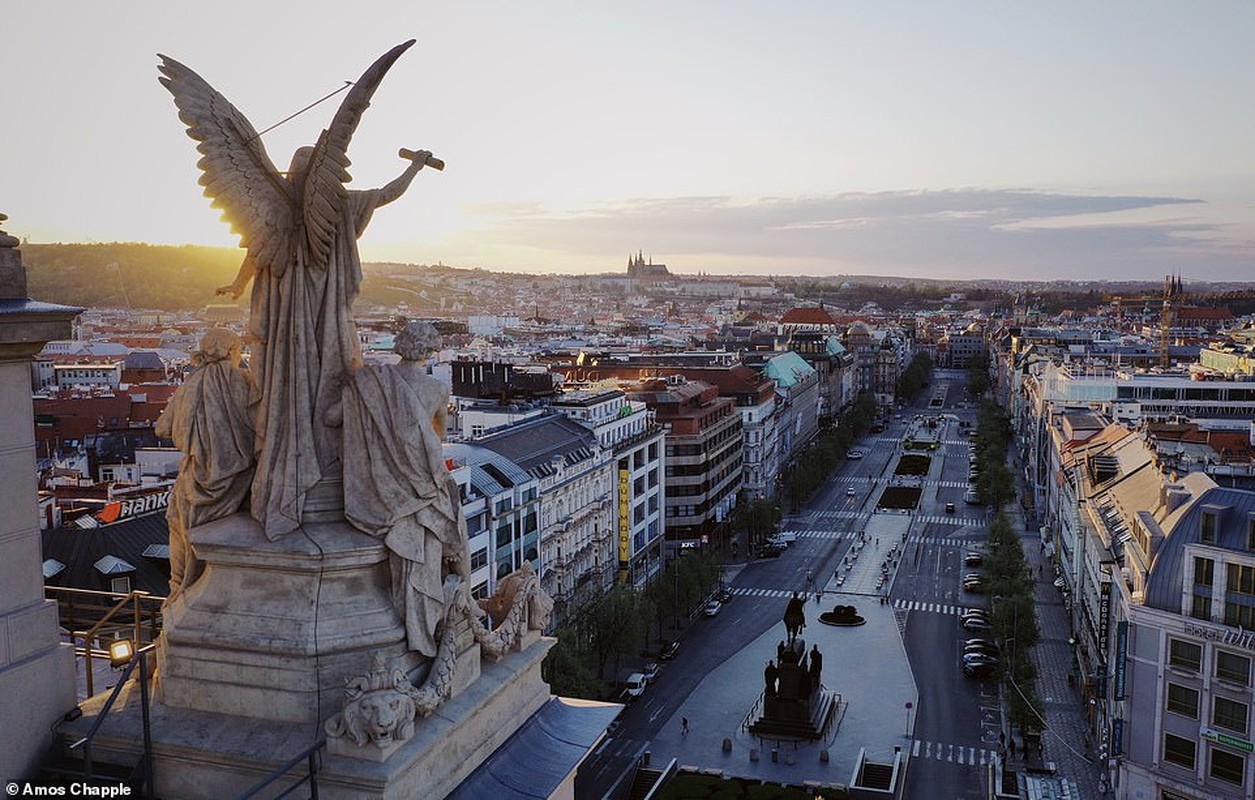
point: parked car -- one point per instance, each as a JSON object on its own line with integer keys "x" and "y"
{"x": 784, "y": 538}
{"x": 667, "y": 649}
{"x": 971, "y": 498}
{"x": 651, "y": 671}
{"x": 976, "y": 624}
{"x": 633, "y": 687}
{"x": 979, "y": 659}
{"x": 974, "y": 612}
{"x": 712, "y": 608}
{"x": 724, "y": 594}
{"x": 973, "y": 559}
{"x": 979, "y": 672}
{"x": 983, "y": 647}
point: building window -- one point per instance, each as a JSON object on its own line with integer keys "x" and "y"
{"x": 479, "y": 558}
{"x": 1201, "y": 608}
{"x": 504, "y": 534}
{"x": 120, "y": 585}
{"x": 1186, "y": 655}
{"x": 1177, "y": 750}
{"x": 1204, "y": 571}
{"x": 1226, "y": 766}
{"x": 1229, "y": 714}
{"x": 1207, "y": 529}
{"x": 1183, "y": 700}
{"x": 1236, "y": 614}
{"x": 1233, "y": 668}
{"x": 1241, "y": 579}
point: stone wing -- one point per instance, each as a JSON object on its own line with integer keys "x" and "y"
{"x": 323, "y": 196}
{"x": 238, "y": 176}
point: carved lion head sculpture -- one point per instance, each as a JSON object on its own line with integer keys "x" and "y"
{"x": 378, "y": 708}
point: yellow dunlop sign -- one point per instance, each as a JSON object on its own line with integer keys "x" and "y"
{"x": 625, "y": 519}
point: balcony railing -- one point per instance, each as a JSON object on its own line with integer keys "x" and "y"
{"x": 91, "y": 619}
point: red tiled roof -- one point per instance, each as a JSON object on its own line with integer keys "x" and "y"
{"x": 807, "y": 315}
{"x": 1204, "y": 313}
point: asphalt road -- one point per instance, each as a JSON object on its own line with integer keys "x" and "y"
{"x": 958, "y": 719}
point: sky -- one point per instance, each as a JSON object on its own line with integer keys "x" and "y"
{"x": 956, "y": 140}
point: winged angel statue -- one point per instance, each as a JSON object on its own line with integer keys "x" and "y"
{"x": 300, "y": 230}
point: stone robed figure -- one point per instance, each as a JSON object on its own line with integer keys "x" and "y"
{"x": 397, "y": 486}
{"x": 300, "y": 229}
{"x": 209, "y": 420}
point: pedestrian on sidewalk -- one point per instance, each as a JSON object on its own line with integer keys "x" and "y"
{"x": 684, "y": 726}
{"x": 1011, "y": 746}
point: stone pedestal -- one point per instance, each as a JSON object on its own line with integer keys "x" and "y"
{"x": 201, "y": 754}
{"x": 272, "y": 630}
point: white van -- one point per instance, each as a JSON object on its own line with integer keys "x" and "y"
{"x": 783, "y": 538}
{"x": 634, "y": 686}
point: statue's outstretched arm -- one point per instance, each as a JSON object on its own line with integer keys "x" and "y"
{"x": 397, "y": 186}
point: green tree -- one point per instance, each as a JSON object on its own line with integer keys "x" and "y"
{"x": 568, "y": 666}
{"x": 978, "y": 375}
{"x": 617, "y": 624}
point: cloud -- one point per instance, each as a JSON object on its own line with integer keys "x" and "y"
{"x": 957, "y": 233}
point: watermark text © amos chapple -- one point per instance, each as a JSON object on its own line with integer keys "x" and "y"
{"x": 76, "y": 789}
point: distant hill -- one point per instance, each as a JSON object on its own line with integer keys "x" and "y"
{"x": 167, "y": 277}
{"x": 147, "y": 275}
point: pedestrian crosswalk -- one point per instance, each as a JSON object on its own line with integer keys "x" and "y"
{"x": 933, "y": 608}
{"x": 955, "y": 753}
{"x": 898, "y": 604}
{"x": 948, "y": 519}
{"x": 754, "y": 591}
{"x": 842, "y": 535}
{"x": 937, "y": 519}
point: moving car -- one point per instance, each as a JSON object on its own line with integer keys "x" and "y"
{"x": 849, "y": 491}
{"x": 949, "y": 508}
{"x": 771, "y": 550}
{"x": 724, "y": 594}
{"x": 712, "y": 608}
